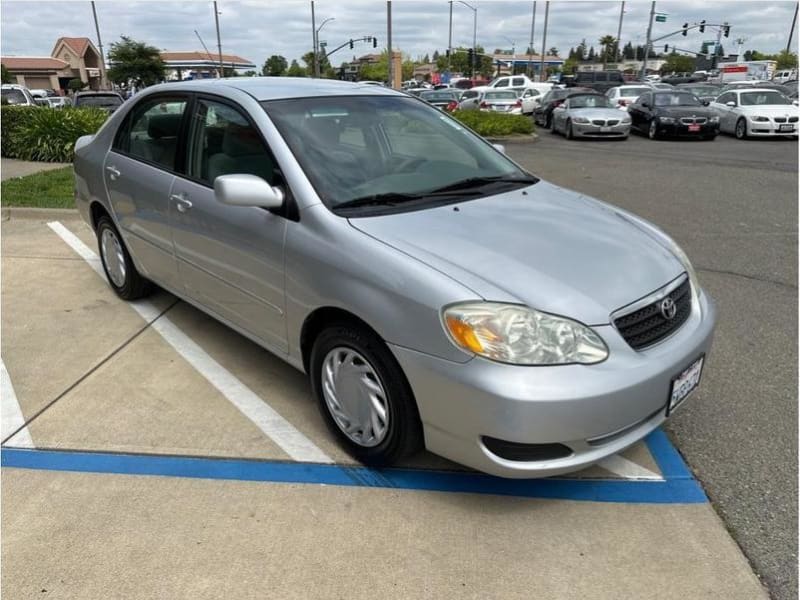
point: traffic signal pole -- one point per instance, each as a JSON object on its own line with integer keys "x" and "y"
{"x": 649, "y": 41}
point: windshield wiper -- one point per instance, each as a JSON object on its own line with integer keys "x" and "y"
{"x": 388, "y": 199}
{"x": 474, "y": 182}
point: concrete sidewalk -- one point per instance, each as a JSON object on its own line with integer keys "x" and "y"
{"x": 11, "y": 167}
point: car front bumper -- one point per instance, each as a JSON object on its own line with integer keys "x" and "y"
{"x": 591, "y": 130}
{"x": 682, "y": 130}
{"x": 769, "y": 128}
{"x": 595, "y": 410}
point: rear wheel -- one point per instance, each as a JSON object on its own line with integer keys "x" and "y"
{"x": 363, "y": 395}
{"x": 122, "y": 275}
{"x": 568, "y": 131}
{"x": 741, "y": 129}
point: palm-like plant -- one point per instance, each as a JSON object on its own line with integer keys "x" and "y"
{"x": 607, "y": 41}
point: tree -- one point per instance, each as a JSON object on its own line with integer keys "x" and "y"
{"x": 295, "y": 70}
{"x": 627, "y": 51}
{"x": 75, "y": 85}
{"x": 324, "y": 64}
{"x": 590, "y": 56}
{"x": 678, "y": 63}
{"x": 570, "y": 65}
{"x": 607, "y": 42}
{"x": 5, "y": 75}
{"x": 435, "y": 55}
{"x": 580, "y": 51}
{"x": 786, "y": 60}
{"x": 426, "y": 59}
{"x": 553, "y": 51}
{"x": 275, "y": 66}
{"x": 250, "y": 74}
{"x": 135, "y": 63}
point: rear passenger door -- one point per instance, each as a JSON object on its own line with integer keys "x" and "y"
{"x": 230, "y": 258}
{"x": 139, "y": 171}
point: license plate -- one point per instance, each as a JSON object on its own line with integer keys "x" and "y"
{"x": 786, "y": 128}
{"x": 694, "y": 127}
{"x": 684, "y": 384}
{"x": 605, "y": 129}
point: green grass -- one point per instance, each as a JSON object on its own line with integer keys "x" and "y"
{"x": 48, "y": 189}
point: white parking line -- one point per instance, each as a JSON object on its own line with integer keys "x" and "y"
{"x": 274, "y": 426}
{"x": 628, "y": 469}
{"x": 11, "y": 417}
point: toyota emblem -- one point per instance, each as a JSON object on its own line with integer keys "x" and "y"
{"x": 668, "y": 308}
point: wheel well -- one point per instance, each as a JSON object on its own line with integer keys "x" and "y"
{"x": 97, "y": 210}
{"x": 319, "y": 320}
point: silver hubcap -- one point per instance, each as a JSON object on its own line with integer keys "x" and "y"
{"x": 740, "y": 129}
{"x": 113, "y": 257}
{"x": 355, "y": 397}
{"x": 653, "y": 129}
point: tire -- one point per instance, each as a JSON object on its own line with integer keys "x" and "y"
{"x": 548, "y": 122}
{"x": 568, "y": 131}
{"x": 652, "y": 131}
{"x": 120, "y": 271}
{"x": 358, "y": 349}
{"x": 741, "y": 129}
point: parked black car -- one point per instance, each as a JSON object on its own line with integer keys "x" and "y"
{"x": 543, "y": 113}
{"x": 673, "y": 113}
{"x": 600, "y": 81}
{"x": 707, "y": 92}
{"x": 678, "y": 78}
{"x": 107, "y": 101}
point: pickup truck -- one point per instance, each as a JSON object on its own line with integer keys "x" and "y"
{"x": 601, "y": 81}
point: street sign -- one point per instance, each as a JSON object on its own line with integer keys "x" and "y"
{"x": 661, "y": 18}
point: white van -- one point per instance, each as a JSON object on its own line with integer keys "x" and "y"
{"x": 785, "y": 75}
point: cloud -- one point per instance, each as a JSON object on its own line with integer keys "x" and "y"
{"x": 257, "y": 29}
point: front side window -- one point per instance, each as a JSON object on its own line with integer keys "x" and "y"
{"x": 633, "y": 92}
{"x": 151, "y": 131}
{"x": 590, "y": 101}
{"x": 677, "y": 99}
{"x": 518, "y": 81}
{"x": 502, "y": 83}
{"x": 763, "y": 98}
{"x": 224, "y": 142}
{"x": 14, "y": 96}
{"x": 405, "y": 148}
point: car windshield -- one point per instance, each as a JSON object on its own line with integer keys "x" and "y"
{"x": 98, "y": 100}
{"x": 762, "y": 98}
{"x": 500, "y": 96}
{"x": 438, "y": 96}
{"x": 589, "y": 101}
{"x": 677, "y": 99}
{"x": 14, "y": 96}
{"x": 633, "y": 92}
{"x": 700, "y": 90}
{"x": 357, "y": 148}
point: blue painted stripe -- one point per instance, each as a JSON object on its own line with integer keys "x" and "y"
{"x": 670, "y": 491}
{"x": 668, "y": 459}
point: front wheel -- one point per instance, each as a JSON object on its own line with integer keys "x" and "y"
{"x": 652, "y": 132}
{"x": 122, "y": 275}
{"x": 364, "y": 396}
{"x": 568, "y": 132}
{"x": 741, "y": 129}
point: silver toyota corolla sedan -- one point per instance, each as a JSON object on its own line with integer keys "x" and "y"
{"x": 590, "y": 115}
{"x": 434, "y": 292}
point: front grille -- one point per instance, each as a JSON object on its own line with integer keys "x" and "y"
{"x": 780, "y": 119}
{"x": 613, "y": 122}
{"x": 792, "y": 119}
{"x": 691, "y": 120}
{"x": 648, "y": 325}
{"x": 600, "y": 122}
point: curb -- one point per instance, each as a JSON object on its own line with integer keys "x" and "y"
{"x": 44, "y": 214}
{"x": 516, "y": 139}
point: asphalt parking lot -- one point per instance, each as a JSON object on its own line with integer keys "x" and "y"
{"x": 173, "y": 458}
{"x": 732, "y": 205}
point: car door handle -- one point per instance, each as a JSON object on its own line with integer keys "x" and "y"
{"x": 113, "y": 172}
{"x": 183, "y": 203}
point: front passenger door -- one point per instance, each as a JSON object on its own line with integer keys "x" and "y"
{"x": 230, "y": 258}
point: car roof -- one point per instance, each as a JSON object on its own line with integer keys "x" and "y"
{"x": 278, "y": 88}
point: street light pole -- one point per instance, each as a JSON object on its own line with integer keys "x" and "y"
{"x": 450, "y": 38}
{"x": 530, "y": 46}
{"x": 788, "y": 44}
{"x": 389, "y": 41}
{"x": 544, "y": 41}
{"x": 619, "y": 32}
{"x": 474, "y": 35}
{"x": 314, "y": 40}
{"x": 318, "y": 50}
{"x": 219, "y": 41}
{"x": 647, "y": 42}
{"x": 102, "y": 65}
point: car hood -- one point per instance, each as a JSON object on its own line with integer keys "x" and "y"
{"x": 771, "y": 110}
{"x": 686, "y": 111}
{"x": 544, "y": 246}
{"x": 596, "y": 113}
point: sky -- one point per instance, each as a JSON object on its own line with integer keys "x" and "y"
{"x": 257, "y": 29}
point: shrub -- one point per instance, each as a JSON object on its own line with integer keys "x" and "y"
{"x": 46, "y": 134}
{"x": 489, "y": 124}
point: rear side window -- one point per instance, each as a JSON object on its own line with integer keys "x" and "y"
{"x": 601, "y": 76}
{"x": 518, "y": 81}
{"x": 502, "y": 83}
{"x": 614, "y": 76}
{"x": 150, "y": 131}
{"x": 585, "y": 76}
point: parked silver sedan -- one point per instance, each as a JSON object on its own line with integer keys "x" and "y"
{"x": 434, "y": 291}
{"x": 590, "y": 115}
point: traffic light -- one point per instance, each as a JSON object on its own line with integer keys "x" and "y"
{"x": 702, "y": 26}
{"x": 351, "y": 44}
{"x": 666, "y": 48}
{"x": 447, "y": 53}
{"x": 374, "y": 42}
{"x": 726, "y": 30}
{"x": 470, "y": 57}
{"x": 685, "y": 29}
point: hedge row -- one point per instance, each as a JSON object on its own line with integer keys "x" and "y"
{"x": 45, "y": 134}
{"x": 491, "y": 124}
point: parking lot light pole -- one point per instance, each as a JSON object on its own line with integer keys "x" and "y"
{"x": 316, "y": 49}
{"x": 529, "y": 68}
{"x": 389, "y": 42}
{"x": 788, "y": 44}
{"x": 313, "y": 40}
{"x": 450, "y": 38}
{"x": 619, "y": 32}
{"x": 219, "y": 41}
{"x": 647, "y": 43}
{"x": 103, "y": 82}
{"x": 544, "y": 41}
{"x": 474, "y": 35}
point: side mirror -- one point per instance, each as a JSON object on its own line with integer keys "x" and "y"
{"x": 731, "y": 104}
{"x": 794, "y": 102}
{"x": 645, "y": 105}
{"x": 500, "y": 148}
{"x": 247, "y": 190}
{"x": 705, "y": 102}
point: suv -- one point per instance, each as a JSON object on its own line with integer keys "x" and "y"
{"x": 17, "y": 95}
{"x": 601, "y": 81}
{"x": 107, "y": 101}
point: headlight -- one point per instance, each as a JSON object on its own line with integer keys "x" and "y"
{"x": 760, "y": 119}
{"x": 519, "y": 335}
{"x": 626, "y": 120}
{"x": 666, "y": 120}
{"x": 580, "y": 120}
{"x": 714, "y": 120}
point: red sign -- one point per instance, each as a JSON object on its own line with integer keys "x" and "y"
{"x": 735, "y": 69}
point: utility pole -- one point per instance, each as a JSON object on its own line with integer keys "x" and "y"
{"x": 647, "y": 43}
{"x": 529, "y": 70}
{"x": 788, "y": 44}
{"x": 544, "y": 41}
{"x": 716, "y": 48}
{"x": 103, "y": 82}
{"x": 219, "y": 42}
{"x": 314, "y": 60}
{"x": 450, "y": 38}
{"x": 389, "y": 41}
{"x": 619, "y": 32}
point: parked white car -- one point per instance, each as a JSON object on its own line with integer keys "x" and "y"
{"x": 505, "y": 101}
{"x": 519, "y": 82}
{"x": 470, "y": 99}
{"x": 530, "y": 98}
{"x": 757, "y": 112}
{"x": 623, "y": 95}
